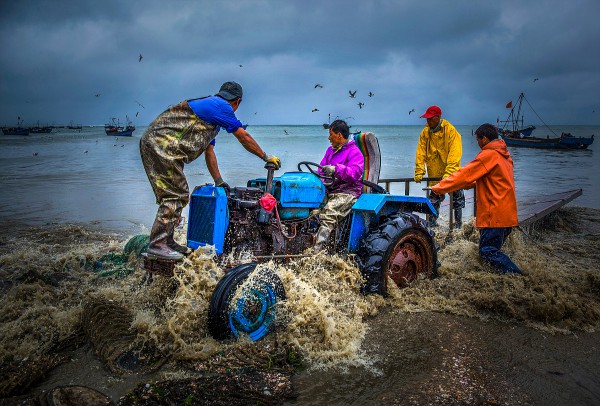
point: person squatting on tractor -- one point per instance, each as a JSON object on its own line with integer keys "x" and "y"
{"x": 343, "y": 162}
{"x": 440, "y": 149}
{"x": 492, "y": 173}
{"x": 178, "y": 136}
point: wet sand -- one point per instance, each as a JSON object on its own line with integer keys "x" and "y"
{"x": 467, "y": 337}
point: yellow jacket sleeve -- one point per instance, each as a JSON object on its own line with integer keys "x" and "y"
{"x": 421, "y": 154}
{"x": 454, "y": 151}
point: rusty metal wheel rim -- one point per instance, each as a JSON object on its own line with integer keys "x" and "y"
{"x": 409, "y": 258}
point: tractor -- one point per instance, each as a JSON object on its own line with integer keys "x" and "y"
{"x": 383, "y": 232}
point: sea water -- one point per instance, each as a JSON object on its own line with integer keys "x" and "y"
{"x": 413, "y": 347}
{"x": 87, "y": 176}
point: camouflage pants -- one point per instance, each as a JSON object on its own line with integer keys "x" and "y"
{"x": 174, "y": 138}
{"x": 337, "y": 208}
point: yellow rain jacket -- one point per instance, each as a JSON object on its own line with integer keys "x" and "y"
{"x": 440, "y": 152}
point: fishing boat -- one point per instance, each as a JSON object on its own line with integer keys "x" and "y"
{"x": 514, "y": 126}
{"x": 564, "y": 141}
{"x": 515, "y": 134}
{"x": 116, "y": 129}
{"x": 18, "y": 130}
{"x": 72, "y": 126}
{"x": 40, "y": 130}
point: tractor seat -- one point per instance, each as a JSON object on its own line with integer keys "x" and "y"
{"x": 369, "y": 146}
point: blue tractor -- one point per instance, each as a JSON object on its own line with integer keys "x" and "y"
{"x": 384, "y": 232}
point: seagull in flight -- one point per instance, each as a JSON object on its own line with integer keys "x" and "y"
{"x": 139, "y": 104}
{"x": 352, "y": 93}
{"x": 313, "y": 110}
{"x": 285, "y": 131}
{"x": 536, "y": 79}
{"x": 319, "y": 86}
{"x": 97, "y": 95}
{"x": 241, "y": 66}
{"x": 140, "y": 58}
{"x": 371, "y": 94}
{"x": 360, "y": 104}
{"x": 411, "y": 111}
{"x": 136, "y": 114}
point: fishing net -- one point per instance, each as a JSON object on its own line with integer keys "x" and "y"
{"x": 108, "y": 327}
{"x": 120, "y": 265}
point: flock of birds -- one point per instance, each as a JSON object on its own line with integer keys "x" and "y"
{"x": 140, "y": 57}
{"x": 351, "y": 93}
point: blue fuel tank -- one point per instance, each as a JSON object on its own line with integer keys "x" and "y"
{"x": 296, "y": 192}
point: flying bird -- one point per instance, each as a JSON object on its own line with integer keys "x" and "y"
{"x": 360, "y": 104}
{"x": 85, "y": 152}
{"x": 140, "y": 104}
{"x": 371, "y": 94}
{"x": 319, "y": 86}
{"x": 536, "y": 79}
{"x": 285, "y": 131}
{"x": 411, "y": 111}
{"x": 313, "y": 110}
{"x": 241, "y": 66}
{"x": 97, "y": 95}
{"x": 136, "y": 114}
{"x": 140, "y": 58}
{"x": 352, "y": 93}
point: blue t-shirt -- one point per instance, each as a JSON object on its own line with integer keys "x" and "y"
{"x": 215, "y": 110}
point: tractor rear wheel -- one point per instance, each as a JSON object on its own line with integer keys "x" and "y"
{"x": 251, "y": 311}
{"x": 401, "y": 247}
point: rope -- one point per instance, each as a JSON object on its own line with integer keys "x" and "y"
{"x": 538, "y": 116}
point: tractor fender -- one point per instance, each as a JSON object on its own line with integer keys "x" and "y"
{"x": 370, "y": 208}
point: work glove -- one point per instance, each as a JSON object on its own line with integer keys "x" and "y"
{"x": 272, "y": 159}
{"x": 328, "y": 170}
{"x": 221, "y": 183}
{"x": 418, "y": 178}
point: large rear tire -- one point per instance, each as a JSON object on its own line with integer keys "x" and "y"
{"x": 252, "y": 312}
{"x": 401, "y": 247}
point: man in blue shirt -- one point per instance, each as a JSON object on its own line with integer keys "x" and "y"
{"x": 178, "y": 136}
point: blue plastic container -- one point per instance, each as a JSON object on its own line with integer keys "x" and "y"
{"x": 209, "y": 218}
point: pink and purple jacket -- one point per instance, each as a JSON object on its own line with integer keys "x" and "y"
{"x": 349, "y": 166}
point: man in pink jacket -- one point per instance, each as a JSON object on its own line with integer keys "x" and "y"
{"x": 343, "y": 162}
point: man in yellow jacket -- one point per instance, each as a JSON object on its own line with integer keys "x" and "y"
{"x": 440, "y": 150}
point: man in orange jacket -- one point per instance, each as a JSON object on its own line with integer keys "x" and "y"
{"x": 492, "y": 172}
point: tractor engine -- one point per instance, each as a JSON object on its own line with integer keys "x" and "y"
{"x": 237, "y": 223}
{"x": 254, "y": 230}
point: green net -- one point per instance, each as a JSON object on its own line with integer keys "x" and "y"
{"x": 118, "y": 265}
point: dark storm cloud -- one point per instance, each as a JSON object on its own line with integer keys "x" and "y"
{"x": 469, "y": 57}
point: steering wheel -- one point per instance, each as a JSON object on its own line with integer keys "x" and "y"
{"x": 327, "y": 180}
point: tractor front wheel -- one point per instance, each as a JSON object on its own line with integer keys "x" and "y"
{"x": 245, "y": 304}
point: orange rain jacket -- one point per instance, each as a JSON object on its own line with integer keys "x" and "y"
{"x": 492, "y": 172}
{"x": 440, "y": 151}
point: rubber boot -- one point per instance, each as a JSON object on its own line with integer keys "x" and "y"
{"x": 458, "y": 218}
{"x": 158, "y": 242}
{"x": 171, "y": 243}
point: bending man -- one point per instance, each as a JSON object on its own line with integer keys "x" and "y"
{"x": 343, "y": 162}
{"x": 178, "y": 136}
{"x": 492, "y": 172}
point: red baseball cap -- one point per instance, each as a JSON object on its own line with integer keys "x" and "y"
{"x": 432, "y": 111}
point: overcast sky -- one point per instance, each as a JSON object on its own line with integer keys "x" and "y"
{"x": 468, "y": 57}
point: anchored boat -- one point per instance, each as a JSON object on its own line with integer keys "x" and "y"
{"x": 515, "y": 134}
{"x": 116, "y": 129}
